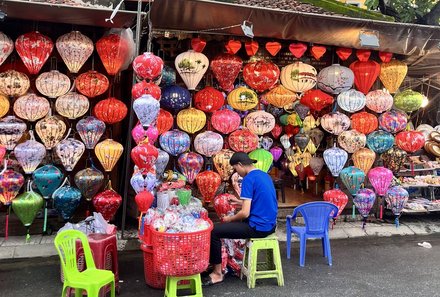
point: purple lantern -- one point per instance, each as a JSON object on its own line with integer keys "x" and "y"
{"x": 190, "y": 165}
{"x": 396, "y": 198}
{"x": 146, "y": 109}
{"x": 161, "y": 162}
{"x": 30, "y": 154}
{"x": 90, "y": 129}
{"x": 141, "y": 183}
{"x": 174, "y": 142}
{"x": 393, "y": 121}
{"x": 276, "y": 152}
{"x": 364, "y": 202}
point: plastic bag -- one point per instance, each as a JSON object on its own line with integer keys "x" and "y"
{"x": 92, "y": 224}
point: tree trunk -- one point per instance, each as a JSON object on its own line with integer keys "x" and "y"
{"x": 432, "y": 17}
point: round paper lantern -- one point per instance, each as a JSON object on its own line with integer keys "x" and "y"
{"x": 260, "y": 122}
{"x": 352, "y": 140}
{"x": 337, "y": 197}
{"x": 47, "y": 178}
{"x": 164, "y": 121}
{"x": 242, "y": 99}
{"x": 208, "y": 99}
{"x": 144, "y": 200}
{"x": 335, "y": 159}
{"x": 145, "y": 88}
{"x": 29, "y": 154}
{"x": 6, "y": 47}
{"x": 175, "y": 98}
{"x": 139, "y": 134}
{"x": 298, "y": 77}
{"x": 50, "y": 130}
{"x": 90, "y": 129}
{"x": 379, "y": 101}
{"x": 4, "y": 104}
{"x": 243, "y": 140}
{"x": 174, "y": 142}
{"x": 394, "y": 158}
{"x": 352, "y": 178}
{"x": 276, "y": 152}
{"x": 226, "y": 68}
{"x": 316, "y": 99}
{"x": 364, "y": 122}
{"x": 72, "y": 105}
{"x": 335, "y": 122}
{"x": 14, "y": 83}
{"x": 113, "y": 50}
{"x": 148, "y": 66}
{"x": 316, "y": 163}
{"x": 410, "y": 141}
{"x": 408, "y": 100}
{"x": 280, "y": 96}
{"x": 34, "y": 49}
{"x": 380, "y": 141}
{"x": 74, "y": 48}
{"x": 316, "y": 136}
{"x": 365, "y": 74}
{"x": 26, "y": 207}
{"x": 393, "y": 121}
{"x": 392, "y": 74}
{"x": 380, "y": 178}
{"x": 364, "y": 202}
{"x": 66, "y": 200}
{"x": 108, "y": 153}
{"x": 190, "y": 165}
{"x": 110, "y": 110}
{"x": 89, "y": 181}
{"x": 396, "y": 198}
{"x": 91, "y": 83}
{"x": 10, "y": 184}
{"x": 208, "y": 143}
{"x": 335, "y": 79}
{"x": 69, "y": 151}
{"x": 191, "y": 120}
{"x": 191, "y": 66}
{"x": 107, "y": 203}
{"x": 140, "y": 184}
{"x": 208, "y": 182}
{"x": 144, "y": 155}
{"x": 53, "y": 84}
{"x": 225, "y": 120}
{"x": 263, "y": 157}
{"x": 221, "y": 163}
{"x": 261, "y": 75}
{"x": 146, "y": 108}
{"x": 161, "y": 162}
{"x": 351, "y": 100}
{"x": 31, "y": 107}
{"x": 11, "y": 130}
{"x": 363, "y": 159}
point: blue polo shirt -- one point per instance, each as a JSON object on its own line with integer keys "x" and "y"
{"x": 258, "y": 187}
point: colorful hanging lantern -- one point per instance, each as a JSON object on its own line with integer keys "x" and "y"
{"x": 352, "y": 140}
{"x": 4, "y": 104}
{"x": 351, "y": 100}
{"x": 311, "y": 147}
{"x": 410, "y": 141}
{"x": 144, "y": 155}
{"x": 363, "y": 159}
{"x": 208, "y": 182}
{"x": 242, "y": 99}
{"x": 316, "y": 100}
{"x": 11, "y": 130}
{"x": 91, "y": 83}
{"x": 316, "y": 163}
{"x": 6, "y": 47}
{"x": 90, "y": 129}
{"x": 261, "y": 75}
{"x": 190, "y": 165}
{"x": 285, "y": 141}
{"x": 107, "y": 202}
{"x": 30, "y": 154}
{"x": 335, "y": 159}
{"x": 335, "y": 79}
{"x": 161, "y": 162}
{"x": 380, "y": 141}
{"x": 316, "y": 136}
{"x": 148, "y": 66}
{"x": 260, "y": 122}
{"x": 174, "y": 142}
{"x": 110, "y": 110}
{"x": 379, "y": 101}
{"x": 69, "y": 151}
{"x": 144, "y": 200}
{"x": 52, "y": 84}
{"x": 226, "y": 68}
{"x": 89, "y": 181}
{"x": 263, "y": 157}
{"x": 141, "y": 183}
{"x": 293, "y": 120}
{"x": 306, "y": 157}
{"x": 164, "y": 121}
{"x": 50, "y": 130}
{"x": 309, "y": 123}
{"x": 276, "y": 131}
{"x": 66, "y": 200}
{"x": 208, "y": 143}
{"x": 380, "y": 178}
{"x": 396, "y": 198}
{"x": 291, "y": 153}
{"x": 26, "y": 207}
{"x": 108, "y": 153}
{"x": 168, "y": 77}
{"x": 145, "y": 88}
{"x": 364, "y": 122}
{"x": 74, "y": 48}
{"x": 275, "y": 111}
{"x": 265, "y": 142}
{"x": 276, "y": 152}
{"x": 14, "y": 83}
{"x": 191, "y": 66}
{"x": 301, "y": 109}
{"x": 225, "y": 120}
{"x": 31, "y": 107}
{"x": 364, "y": 202}
{"x": 10, "y": 184}
{"x": 208, "y": 99}
{"x": 337, "y": 197}
{"x": 393, "y": 121}
{"x": 175, "y": 98}
{"x": 392, "y": 74}
{"x": 191, "y": 120}
{"x": 352, "y": 178}
{"x": 298, "y": 77}
{"x": 72, "y": 105}
{"x": 222, "y": 205}
{"x": 34, "y": 49}
{"x": 335, "y": 122}
{"x": 365, "y": 74}
{"x": 394, "y": 158}
{"x": 139, "y": 134}
{"x": 280, "y": 96}
{"x": 146, "y": 109}
{"x": 47, "y": 178}
{"x": 408, "y": 100}
{"x": 221, "y": 163}
{"x": 113, "y": 50}
{"x": 301, "y": 140}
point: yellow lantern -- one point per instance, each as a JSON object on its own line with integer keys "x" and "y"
{"x": 294, "y": 119}
{"x": 191, "y": 120}
{"x": 4, "y": 105}
{"x": 311, "y": 147}
{"x": 242, "y": 99}
{"x": 221, "y": 163}
{"x": 108, "y": 153}
{"x": 14, "y": 83}
{"x": 280, "y": 96}
{"x": 392, "y": 74}
{"x": 50, "y": 130}
{"x": 363, "y": 159}
{"x": 305, "y": 158}
{"x": 292, "y": 169}
{"x": 31, "y": 107}
{"x": 72, "y": 105}
{"x": 309, "y": 123}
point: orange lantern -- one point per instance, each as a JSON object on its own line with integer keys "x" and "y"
{"x": 363, "y": 159}
{"x": 53, "y": 84}
{"x": 4, "y": 105}
{"x": 242, "y": 99}
{"x": 110, "y": 110}
{"x": 164, "y": 121}
{"x": 108, "y": 153}
{"x": 316, "y": 99}
{"x": 280, "y": 96}
{"x": 34, "y": 49}
{"x": 243, "y": 140}
{"x": 365, "y": 74}
{"x": 91, "y": 83}
{"x": 72, "y": 105}
{"x": 14, "y": 83}
{"x": 74, "y": 48}
{"x": 191, "y": 120}
{"x": 364, "y": 122}
{"x": 50, "y": 130}
{"x": 31, "y": 107}
{"x": 392, "y": 74}
{"x": 113, "y": 51}
{"x": 221, "y": 163}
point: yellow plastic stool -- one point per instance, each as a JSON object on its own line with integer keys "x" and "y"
{"x": 172, "y": 285}
{"x": 271, "y": 268}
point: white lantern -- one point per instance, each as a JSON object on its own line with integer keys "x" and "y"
{"x": 69, "y": 151}
{"x": 335, "y": 79}
{"x": 379, "y": 101}
{"x": 208, "y": 143}
{"x": 260, "y": 122}
{"x": 72, "y": 105}
{"x": 6, "y": 47}
{"x": 74, "y": 48}
{"x": 146, "y": 109}
{"x": 31, "y": 107}
{"x": 53, "y": 84}
{"x": 335, "y": 122}
{"x": 285, "y": 141}
{"x": 191, "y": 66}
{"x": 352, "y": 140}
{"x": 351, "y": 100}
{"x": 298, "y": 77}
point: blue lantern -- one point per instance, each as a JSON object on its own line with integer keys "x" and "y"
{"x": 174, "y": 142}
{"x": 396, "y": 198}
{"x": 335, "y": 159}
{"x": 353, "y": 178}
{"x": 66, "y": 200}
{"x": 380, "y": 141}
{"x": 168, "y": 76}
{"x": 175, "y": 98}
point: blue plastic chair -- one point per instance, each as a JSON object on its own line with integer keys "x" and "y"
{"x": 316, "y": 218}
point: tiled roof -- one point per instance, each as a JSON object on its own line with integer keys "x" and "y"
{"x": 289, "y": 5}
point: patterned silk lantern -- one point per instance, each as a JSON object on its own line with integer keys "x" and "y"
{"x": 352, "y": 178}
{"x": 276, "y": 131}
{"x": 380, "y": 141}
{"x": 337, "y": 197}
{"x": 191, "y": 120}
{"x": 396, "y": 198}
{"x": 47, "y": 178}
{"x": 352, "y": 140}
{"x": 380, "y": 178}
{"x": 164, "y": 121}
{"x": 316, "y": 136}
{"x": 408, "y": 100}
{"x": 108, "y": 153}
{"x": 208, "y": 99}
{"x": 261, "y": 75}
{"x": 174, "y": 142}
{"x": 161, "y": 162}
{"x": 144, "y": 155}
{"x": 14, "y": 83}
{"x": 221, "y": 163}
{"x": 91, "y": 83}
{"x": 392, "y": 74}
{"x": 301, "y": 109}
{"x": 145, "y": 88}
{"x": 140, "y": 184}
{"x": 365, "y": 74}
{"x": 10, "y": 184}
{"x": 31, "y": 107}
{"x": 11, "y": 130}
{"x": 69, "y": 151}
{"x": 6, "y": 47}
{"x": 53, "y": 84}
{"x": 280, "y": 96}
{"x": 144, "y": 200}
{"x": 394, "y": 158}
{"x": 260, "y": 122}
{"x": 66, "y": 200}
{"x": 50, "y": 130}
{"x": 242, "y": 99}
{"x": 364, "y": 122}
{"x": 265, "y": 142}
{"x": 276, "y": 152}
{"x": 72, "y": 105}
{"x": 285, "y": 141}
{"x": 243, "y": 140}
{"x": 225, "y": 121}
{"x": 139, "y": 134}
{"x": 364, "y": 202}
{"x": 34, "y": 49}
{"x": 335, "y": 159}
{"x": 263, "y": 157}
{"x": 301, "y": 140}
{"x": 298, "y": 77}
{"x": 410, "y": 141}
{"x": 26, "y": 207}
{"x": 335, "y": 79}
{"x": 208, "y": 143}
{"x": 4, "y": 104}
{"x": 175, "y": 98}
{"x": 316, "y": 163}
{"x": 146, "y": 109}
{"x": 113, "y": 51}
{"x": 74, "y": 48}
{"x": 148, "y": 66}
{"x": 89, "y": 181}
{"x": 316, "y": 100}
{"x": 110, "y": 110}
{"x": 226, "y": 68}
{"x": 363, "y": 159}
{"x": 379, "y": 101}
{"x": 29, "y": 154}
{"x": 335, "y": 122}
{"x": 191, "y": 66}
{"x": 190, "y": 165}
{"x": 351, "y": 100}
{"x": 90, "y": 129}
{"x": 168, "y": 76}
{"x": 393, "y": 121}
{"x": 222, "y": 205}
{"x": 208, "y": 182}
{"x": 107, "y": 202}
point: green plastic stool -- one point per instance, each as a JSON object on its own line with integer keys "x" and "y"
{"x": 172, "y": 285}
{"x": 271, "y": 268}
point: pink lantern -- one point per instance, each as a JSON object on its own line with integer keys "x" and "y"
{"x": 276, "y": 152}
{"x": 90, "y": 129}
{"x": 190, "y": 165}
{"x": 145, "y": 88}
{"x": 74, "y": 48}
{"x": 379, "y": 101}
{"x": 225, "y": 120}
{"x": 91, "y": 83}
{"x": 226, "y": 68}
{"x": 260, "y": 122}
{"x": 380, "y": 178}
{"x": 34, "y": 49}
{"x": 31, "y": 107}
{"x": 6, "y": 47}
{"x": 243, "y": 140}
{"x": 53, "y": 84}
{"x": 140, "y": 134}
{"x": 261, "y": 75}
{"x": 208, "y": 143}
{"x": 148, "y": 66}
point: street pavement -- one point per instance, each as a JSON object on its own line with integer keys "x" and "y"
{"x": 364, "y": 266}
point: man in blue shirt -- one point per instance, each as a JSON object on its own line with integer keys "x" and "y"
{"x": 257, "y": 217}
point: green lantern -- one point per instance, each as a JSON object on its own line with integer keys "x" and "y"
{"x": 26, "y": 207}
{"x": 263, "y": 157}
{"x": 283, "y": 119}
{"x": 408, "y": 100}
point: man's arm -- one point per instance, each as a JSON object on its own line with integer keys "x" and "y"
{"x": 242, "y": 214}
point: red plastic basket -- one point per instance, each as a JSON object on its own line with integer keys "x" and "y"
{"x": 153, "y": 278}
{"x": 181, "y": 254}
{"x": 145, "y": 235}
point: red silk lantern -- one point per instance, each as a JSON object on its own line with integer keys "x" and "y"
{"x": 318, "y": 51}
{"x": 291, "y": 130}
{"x": 298, "y": 49}
{"x": 113, "y": 51}
{"x": 110, "y": 110}
{"x": 34, "y": 49}
{"x": 337, "y": 197}
{"x": 148, "y": 66}
{"x": 144, "y": 200}
{"x": 225, "y": 121}
{"x": 91, "y": 83}
{"x": 198, "y": 44}
{"x": 365, "y": 74}
{"x": 164, "y": 121}
{"x": 145, "y": 88}
{"x": 363, "y": 55}
{"x": 243, "y": 141}
{"x": 343, "y": 53}
{"x": 316, "y": 99}
{"x": 410, "y": 141}
{"x": 273, "y": 47}
{"x": 107, "y": 202}
{"x": 209, "y": 99}
{"x": 261, "y": 75}
{"x": 251, "y": 47}
{"x": 226, "y": 68}
{"x": 364, "y": 122}
{"x": 144, "y": 155}
{"x": 385, "y": 56}
{"x": 276, "y": 131}
{"x": 208, "y": 182}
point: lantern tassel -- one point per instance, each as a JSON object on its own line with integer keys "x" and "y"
{"x": 45, "y": 216}
{"x": 396, "y": 221}
{"x": 364, "y": 222}
{"x": 7, "y": 226}
{"x": 28, "y": 236}
{"x": 353, "y": 214}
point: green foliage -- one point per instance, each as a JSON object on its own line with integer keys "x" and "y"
{"x": 409, "y": 10}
